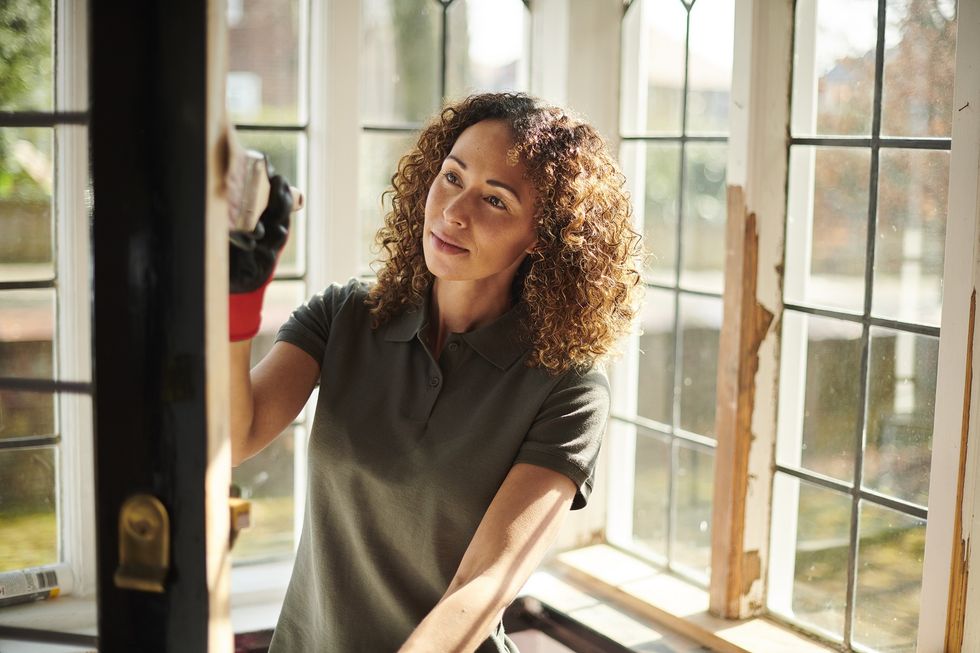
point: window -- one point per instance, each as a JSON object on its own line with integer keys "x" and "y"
{"x": 865, "y": 237}
{"x": 267, "y": 94}
{"x": 45, "y": 324}
{"x": 676, "y": 74}
{"x": 415, "y": 55}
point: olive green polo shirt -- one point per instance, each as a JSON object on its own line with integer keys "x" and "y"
{"x": 406, "y": 454}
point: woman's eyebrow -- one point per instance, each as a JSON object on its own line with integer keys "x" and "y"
{"x": 491, "y": 182}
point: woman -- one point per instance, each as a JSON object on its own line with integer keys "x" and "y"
{"x": 461, "y": 400}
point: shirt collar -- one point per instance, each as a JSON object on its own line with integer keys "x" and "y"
{"x": 500, "y": 341}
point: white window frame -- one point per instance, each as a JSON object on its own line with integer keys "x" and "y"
{"x": 759, "y": 100}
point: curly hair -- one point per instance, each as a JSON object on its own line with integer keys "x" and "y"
{"x": 579, "y": 287}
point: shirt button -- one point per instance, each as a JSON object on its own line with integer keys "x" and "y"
{"x": 453, "y": 346}
{"x": 434, "y": 381}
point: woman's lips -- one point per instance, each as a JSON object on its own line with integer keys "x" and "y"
{"x": 447, "y": 247}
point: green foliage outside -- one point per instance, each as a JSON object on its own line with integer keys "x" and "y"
{"x": 27, "y": 539}
{"x": 26, "y": 83}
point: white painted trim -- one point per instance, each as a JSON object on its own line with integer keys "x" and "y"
{"x": 549, "y": 38}
{"x": 960, "y": 274}
{"x": 757, "y": 163}
{"x": 334, "y": 133}
{"x": 76, "y": 478}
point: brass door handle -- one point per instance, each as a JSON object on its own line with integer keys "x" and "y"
{"x": 144, "y": 544}
{"x": 241, "y": 517}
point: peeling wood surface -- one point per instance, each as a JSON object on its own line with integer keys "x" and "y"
{"x": 960, "y": 571}
{"x": 744, "y": 327}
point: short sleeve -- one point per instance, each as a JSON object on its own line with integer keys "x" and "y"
{"x": 567, "y": 432}
{"x": 309, "y": 325}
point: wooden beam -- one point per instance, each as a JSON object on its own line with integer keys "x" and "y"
{"x": 748, "y": 355}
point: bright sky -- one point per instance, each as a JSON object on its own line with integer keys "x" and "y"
{"x": 499, "y": 35}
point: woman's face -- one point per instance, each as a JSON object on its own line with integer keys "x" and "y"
{"x": 479, "y": 213}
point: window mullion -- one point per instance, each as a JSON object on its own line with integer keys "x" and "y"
{"x": 747, "y": 365}
{"x": 950, "y": 606}
{"x": 76, "y": 480}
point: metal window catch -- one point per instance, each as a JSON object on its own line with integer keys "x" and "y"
{"x": 144, "y": 544}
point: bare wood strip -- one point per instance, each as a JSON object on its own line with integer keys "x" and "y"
{"x": 960, "y": 570}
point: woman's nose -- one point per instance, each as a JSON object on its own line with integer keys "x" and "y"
{"x": 457, "y": 210}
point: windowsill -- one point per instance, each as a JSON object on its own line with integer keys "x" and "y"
{"x": 256, "y": 598}
{"x": 582, "y": 580}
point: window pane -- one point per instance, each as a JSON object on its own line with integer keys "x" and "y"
{"x": 651, "y": 490}
{"x": 655, "y": 385}
{"x": 287, "y": 155}
{"x": 821, "y": 520}
{"x": 379, "y": 160}
{"x": 266, "y": 480}
{"x": 917, "y": 92}
{"x": 24, "y": 414}
{"x": 889, "y": 579}
{"x": 27, "y": 333}
{"x": 693, "y": 489}
{"x": 827, "y": 226}
{"x": 711, "y": 46}
{"x": 28, "y": 517}
{"x": 705, "y": 212}
{"x": 819, "y": 390}
{"x": 487, "y": 47}
{"x": 26, "y": 68}
{"x": 26, "y": 182}
{"x": 263, "y": 62}
{"x": 700, "y": 326}
{"x": 659, "y": 28}
{"x": 399, "y": 60}
{"x": 653, "y": 173}
{"x": 833, "y": 66}
{"x": 909, "y": 252}
{"x": 901, "y": 406}
{"x": 281, "y": 298}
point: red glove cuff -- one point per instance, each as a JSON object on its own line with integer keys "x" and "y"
{"x": 245, "y": 313}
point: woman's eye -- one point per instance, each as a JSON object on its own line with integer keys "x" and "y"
{"x": 496, "y": 202}
{"x": 452, "y": 178}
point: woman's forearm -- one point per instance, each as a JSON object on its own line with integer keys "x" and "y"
{"x": 242, "y": 408}
{"x": 463, "y": 619}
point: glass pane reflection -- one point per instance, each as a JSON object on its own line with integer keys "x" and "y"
{"x": 827, "y": 226}
{"x": 917, "y": 89}
{"x": 263, "y": 83}
{"x": 693, "y": 492}
{"x": 26, "y": 185}
{"x": 27, "y": 73}
{"x": 834, "y": 67}
{"x": 705, "y": 213}
{"x": 822, "y": 539}
{"x": 487, "y": 47}
{"x": 711, "y": 47}
{"x": 28, "y": 508}
{"x": 266, "y": 480}
{"x": 399, "y": 60}
{"x": 655, "y": 384}
{"x": 379, "y": 158}
{"x": 889, "y": 579}
{"x": 700, "y": 326}
{"x": 653, "y": 171}
{"x": 911, "y": 235}
{"x": 651, "y": 489}
{"x": 901, "y": 407}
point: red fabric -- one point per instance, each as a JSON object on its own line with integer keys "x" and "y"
{"x": 245, "y": 313}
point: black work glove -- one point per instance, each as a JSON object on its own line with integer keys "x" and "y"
{"x": 252, "y": 259}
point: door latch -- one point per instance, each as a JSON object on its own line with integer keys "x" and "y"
{"x": 144, "y": 544}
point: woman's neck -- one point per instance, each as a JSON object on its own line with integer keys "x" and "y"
{"x": 458, "y": 307}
